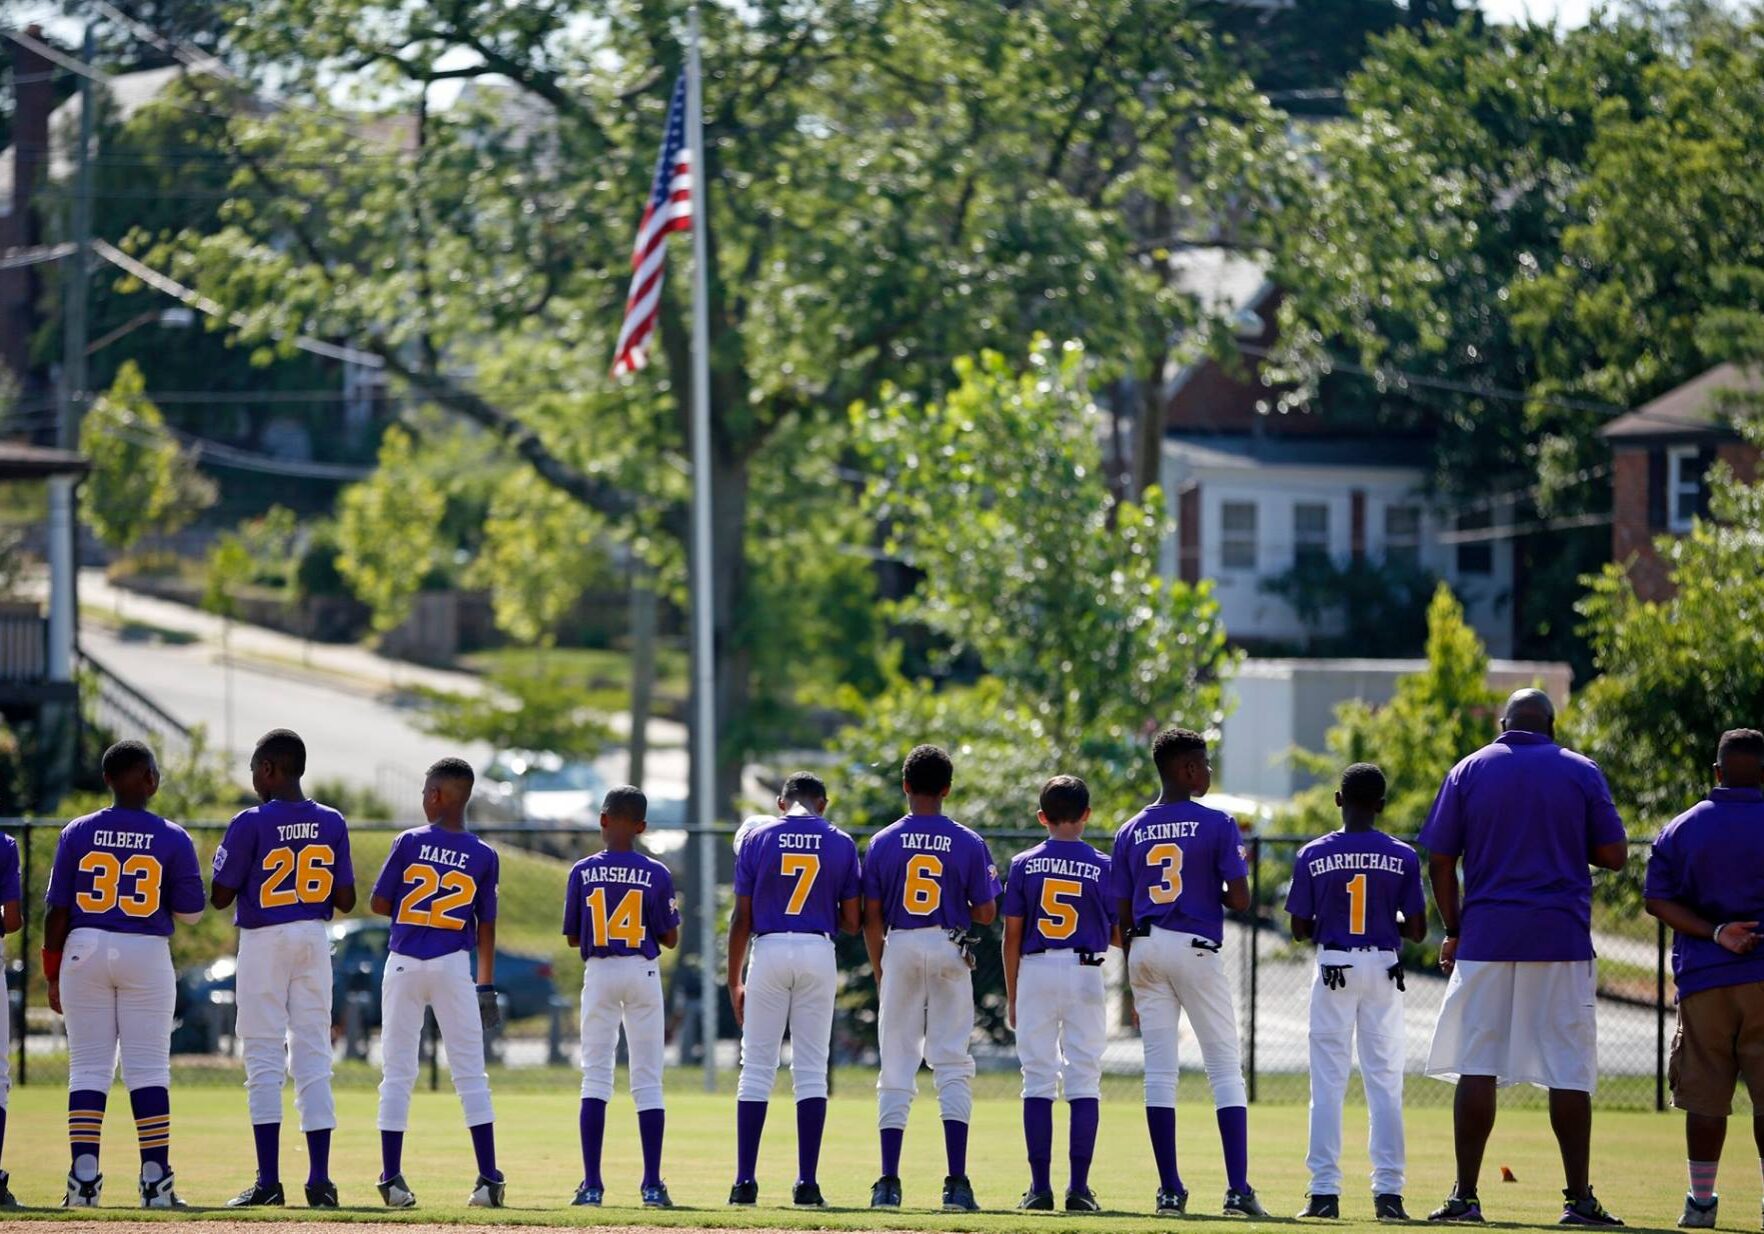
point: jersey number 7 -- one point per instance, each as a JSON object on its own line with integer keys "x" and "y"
{"x": 804, "y": 868}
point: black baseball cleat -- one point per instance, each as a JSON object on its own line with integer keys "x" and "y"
{"x": 487, "y": 1192}
{"x": 321, "y": 1195}
{"x": 1082, "y": 1200}
{"x": 746, "y": 1195}
{"x": 396, "y": 1192}
{"x": 1389, "y": 1207}
{"x": 1172, "y": 1203}
{"x": 7, "y": 1199}
{"x": 807, "y": 1195}
{"x": 1458, "y": 1208}
{"x": 885, "y": 1192}
{"x": 958, "y": 1195}
{"x": 259, "y": 1195}
{"x": 1037, "y": 1201}
{"x": 656, "y": 1196}
{"x": 1585, "y": 1211}
{"x": 1325, "y": 1206}
{"x": 1244, "y": 1204}
{"x": 588, "y": 1197}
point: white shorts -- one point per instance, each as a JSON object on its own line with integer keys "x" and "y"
{"x": 1523, "y": 1023}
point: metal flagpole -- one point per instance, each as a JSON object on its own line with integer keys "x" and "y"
{"x": 704, "y": 727}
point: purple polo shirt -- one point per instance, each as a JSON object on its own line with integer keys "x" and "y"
{"x": 1060, "y": 888}
{"x": 1173, "y": 861}
{"x": 1711, "y": 860}
{"x": 1353, "y": 884}
{"x": 928, "y": 870}
{"x": 442, "y": 884}
{"x": 798, "y": 870}
{"x": 620, "y": 904}
{"x": 284, "y": 858}
{"x": 1525, "y": 815}
{"x": 126, "y": 871}
{"x": 9, "y": 884}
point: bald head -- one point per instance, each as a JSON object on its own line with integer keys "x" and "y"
{"x": 1529, "y": 711}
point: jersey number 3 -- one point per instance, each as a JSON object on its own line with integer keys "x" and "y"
{"x": 107, "y": 871}
{"x": 1169, "y": 857}
{"x": 313, "y": 886}
{"x": 434, "y": 897}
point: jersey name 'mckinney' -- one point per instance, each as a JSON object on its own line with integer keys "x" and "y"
{"x": 444, "y": 856}
{"x": 635, "y": 875}
{"x": 122, "y": 839}
{"x": 1391, "y": 863}
{"x": 1179, "y": 830}
{"x": 1064, "y": 867}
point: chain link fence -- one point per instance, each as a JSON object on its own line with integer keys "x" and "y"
{"x": 540, "y": 979}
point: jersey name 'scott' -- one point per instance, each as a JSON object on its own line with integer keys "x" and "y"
{"x": 1353, "y": 884}
{"x": 928, "y": 870}
{"x": 441, "y": 884}
{"x": 1173, "y": 861}
{"x": 284, "y": 858}
{"x": 126, "y": 871}
{"x": 620, "y": 904}
{"x": 1060, "y": 888}
{"x": 798, "y": 870}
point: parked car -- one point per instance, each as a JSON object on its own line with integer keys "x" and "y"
{"x": 540, "y": 786}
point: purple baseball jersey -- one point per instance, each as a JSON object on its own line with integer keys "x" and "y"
{"x": 442, "y": 884}
{"x": 284, "y": 858}
{"x": 798, "y": 870}
{"x": 1711, "y": 860}
{"x": 1524, "y": 814}
{"x": 9, "y": 884}
{"x": 1353, "y": 884}
{"x": 126, "y": 871}
{"x": 927, "y": 870}
{"x": 620, "y": 904}
{"x": 1060, "y": 888}
{"x": 1173, "y": 862}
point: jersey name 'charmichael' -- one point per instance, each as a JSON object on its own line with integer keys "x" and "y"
{"x": 1391, "y": 863}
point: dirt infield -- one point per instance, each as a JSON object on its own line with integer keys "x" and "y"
{"x": 220, "y": 1226}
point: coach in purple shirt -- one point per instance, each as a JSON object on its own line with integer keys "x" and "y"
{"x": 1526, "y": 817}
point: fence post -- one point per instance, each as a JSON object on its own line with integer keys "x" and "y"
{"x": 1255, "y": 951}
{"x": 24, "y": 973}
{"x": 1660, "y": 1016}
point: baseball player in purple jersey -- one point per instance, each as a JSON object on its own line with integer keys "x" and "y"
{"x": 1706, "y": 880}
{"x": 439, "y": 888}
{"x": 1357, "y": 892}
{"x": 284, "y": 867}
{"x": 1059, "y": 923}
{"x": 11, "y": 921}
{"x": 1177, "y": 866}
{"x": 120, "y": 878}
{"x": 927, "y": 881}
{"x": 620, "y": 909}
{"x": 1527, "y": 817}
{"x": 796, "y": 884}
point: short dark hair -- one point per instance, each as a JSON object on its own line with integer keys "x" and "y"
{"x": 1064, "y": 799}
{"x": 455, "y": 769}
{"x": 1174, "y": 744}
{"x": 627, "y": 801}
{"x": 282, "y": 749}
{"x": 804, "y": 787}
{"x": 1363, "y": 784}
{"x": 1743, "y": 742}
{"x": 124, "y": 757}
{"x": 927, "y": 770}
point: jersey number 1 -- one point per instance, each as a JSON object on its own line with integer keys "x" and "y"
{"x": 624, "y": 924}
{"x": 1356, "y": 889}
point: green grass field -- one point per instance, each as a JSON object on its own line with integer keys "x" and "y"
{"x": 1637, "y": 1158}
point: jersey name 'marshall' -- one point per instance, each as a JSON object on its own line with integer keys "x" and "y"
{"x": 444, "y": 856}
{"x": 1064, "y": 867}
{"x": 618, "y": 874}
{"x": 122, "y": 839}
{"x": 1388, "y": 862}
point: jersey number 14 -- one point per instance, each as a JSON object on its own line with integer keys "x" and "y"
{"x": 623, "y": 923}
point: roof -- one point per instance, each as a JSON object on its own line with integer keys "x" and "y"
{"x": 1253, "y": 452}
{"x": 20, "y": 460}
{"x": 1224, "y": 281}
{"x": 1701, "y": 407}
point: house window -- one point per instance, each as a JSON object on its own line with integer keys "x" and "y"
{"x": 1310, "y": 531}
{"x": 1402, "y": 536}
{"x": 1237, "y": 535}
{"x": 1475, "y": 556}
{"x": 1684, "y": 482}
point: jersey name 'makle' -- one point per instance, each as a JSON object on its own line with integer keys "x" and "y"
{"x": 1391, "y": 863}
{"x": 444, "y": 856}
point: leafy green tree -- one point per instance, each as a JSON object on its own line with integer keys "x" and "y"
{"x": 141, "y": 480}
{"x": 530, "y": 711}
{"x": 541, "y": 550}
{"x": 386, "y": 533}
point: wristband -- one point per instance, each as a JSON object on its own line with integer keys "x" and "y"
{"x": 51, "y": 965}
{"x": 486, "y": 989}
{"x": 1715, "y": 935}
{"x": 1451, "y": 932}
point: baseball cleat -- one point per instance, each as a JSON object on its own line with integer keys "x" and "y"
{"x": 885, "y": 1192}
{"x": 958, "y": 1195}
{"x": 1172, "y": 1203}
{"x": 321, "y": 1195}
{"x": 1389, "y": 1207}
{"x": 159, "y": 1193}
{"x": 1244, "y": 1204}
{"x": 487, "y": 1192}
{"x": 7, "y": 1199}
{"x": 656, "y": 1196}
{"x": 1697, "y": 1215}
{"x": 83, "y": 1194}
{"x": 807, "y": 1195}
{"x": 588, "y": 1197}
{"x": 1326, "y": 1206}
{"x": 1585, "y": 1211}
{"x": 1457, "y": 1207}
{"x": 259, "y": 1195}
{"x": 396, "y": 1192}
{"x": 744, "y": 1195}
{"x": 1082, "y": 1200}
{"x": 1034, "y": 1201}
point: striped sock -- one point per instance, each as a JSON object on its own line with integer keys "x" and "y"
{"x": 1702, "y": 1180}
{"x": 85, "y": 1130}
{"x": 152, "y": 1107}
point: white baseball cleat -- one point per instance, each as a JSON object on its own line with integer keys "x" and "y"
{"x": 83, "y": 1194}
{"x": 487, "y": 1193}
{"x": 159, "y": 1193}
{"x": 397, "y": 1193}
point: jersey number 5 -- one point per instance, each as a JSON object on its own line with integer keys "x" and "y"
{"x": 624, "y": 924}
{"x": 804, "y": 868}
{"x": 107, "y": 871}
{"x": 434, "y": 897}
{"x": 924, "y": 890}
{"x": 1059, "y": 917}
{"x": 1169, "y": 857}
{"x": 312, "y": 886}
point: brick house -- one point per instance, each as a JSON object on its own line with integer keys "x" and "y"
{"x": 1660, "y": 458}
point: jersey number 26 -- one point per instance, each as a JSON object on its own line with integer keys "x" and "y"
{"x": 283, "y": 888}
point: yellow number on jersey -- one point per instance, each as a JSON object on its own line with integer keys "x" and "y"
{"x": 434, "y": 896}
{"x": 312, "y": 886}
{"x": 107, "y": 872}
{"x": 1356, "y": 889}
{"x": 1059, "y": 919}
{"x": 805, "y": 868}
{"x": 1169, "y": 856}
{"x": 924, "y": 891}
{"x": 624, "y": 924}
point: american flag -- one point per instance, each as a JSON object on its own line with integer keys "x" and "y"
{"x": 669, "y": 209}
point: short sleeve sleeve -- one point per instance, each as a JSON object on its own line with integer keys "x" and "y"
{"x": 1120, "y": 874}
{"x": 744, "y": 866}
{"x": 9, "y": 884}
{"x": 485, "y": 905}
{"x": 983, "y": 884}
{"x": 1299, "y": 900}
{"x": 1603, "y": 824}
{"x": 60, "y": 893}
{"x": 572, "y": 914}
{"x": 186, "y": 890}
{"x": 851, "y": 886}
{"x": 343, "y": 872}
{"x": 391, "y": 877}
{"x": 1111, "y": 910}
{"x": 236, "y": 855}
{"x": 1664, "y": 880}
{"x": 1232, "y": 863}
{"x": 1015, "y": 903}
{"x": 871, "y": 878}
{"x": 1443, "y": 832}
{"x": 664, "y": 906}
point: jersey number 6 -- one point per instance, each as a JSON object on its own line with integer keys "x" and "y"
{"x": 106, "y": 870}
{"x": 313, "y": 886}
{"x": 434, "y": 896}
{"x": 923, "y": 893}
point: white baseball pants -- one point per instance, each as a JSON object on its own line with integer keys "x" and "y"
{"x": 622, "y": 990}
{"x": 927, "y": 1015}
{"x": 1370, "y": 1007}
{"x": 1061, "y": 1025}
{"x": 791, "y": 981}
{"x": 408, "y": 988}
{"x": 283, "y": 993}
{"x": 1171, "y": 975}
{"x": 117, "y": 995}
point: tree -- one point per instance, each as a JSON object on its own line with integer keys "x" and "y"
{"x": 141, "y": 480}
{"x": 540, "y": 552}
{"x": 525, "y": 711}
{"x": 386, "y": 533}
